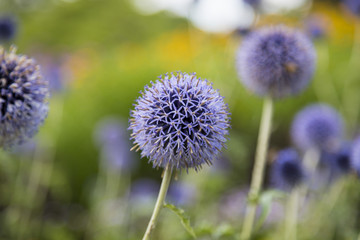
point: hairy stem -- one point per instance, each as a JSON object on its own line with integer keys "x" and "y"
{"x": 258, "y": 171}
{"x": 159, "y": 202}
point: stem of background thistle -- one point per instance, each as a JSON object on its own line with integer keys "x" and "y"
{"x": 159, "y": 202}
{"x": 258, "y": 171}
{"x": 310, "y": 161}
{"x": 292, "y": 207}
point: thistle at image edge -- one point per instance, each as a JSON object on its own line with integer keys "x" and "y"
{"x": 23, "y": 98}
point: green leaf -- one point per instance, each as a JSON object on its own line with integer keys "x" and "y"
{"x": 265, "y": 202}
{"x": 185, "y": 220}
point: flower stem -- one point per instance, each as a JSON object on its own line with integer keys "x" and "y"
{"x": 310, "y": 162}
{"x": 159, "y": 202}
{"x": 291, "y": 215}
{"x": 258, "y": 171}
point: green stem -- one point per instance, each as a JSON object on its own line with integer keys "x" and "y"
{"x": 310, "y": 162}
{"x": 159, "y": 202}
{"x": 258, "y": 171}
{"x": 292, "y": 207}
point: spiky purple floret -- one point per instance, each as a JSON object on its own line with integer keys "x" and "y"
{"x": 317, "y": 126}
{"x": 287, "y": 170}
{"x": 355, "y": 156}
{"x": 23, "y": 98}
{"x": 353, "y": 6}
{"x": 180, "y": 121}
{"x": 7, "y": 28}
{"x": 276, "y": 61}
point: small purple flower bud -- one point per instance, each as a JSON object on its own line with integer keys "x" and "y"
{"x": 7, "y": 28}
{"x": 23, "y": 98}
{"x": 317, "y": 126}
{"x": 316, "y": 26}
{"x": 287, "y": 170}
{"x": 276, "y": 61}
{"x": 180, "y": 121}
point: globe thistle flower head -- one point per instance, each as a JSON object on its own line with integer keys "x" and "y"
{"x": 355, "y": 156}
{"x": 180, "y": 121}
{"x": 317, "y": 126}
{"x": 111, "y": 137}
{"x": 7, "y": 28}
{"x": 23, "y": 98}
{"x": 276, "y": 61}
{"x": 287, "y": 171}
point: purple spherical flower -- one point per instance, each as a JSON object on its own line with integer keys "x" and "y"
{"x": 23, "y": 98}
{"x": 287, "y": 171}
{"x": 112, "y": 138}
{"x": 353, "y": 6}
{"x": 180, "y": 121}
{"x": 7, "y": 28}
{"x": 355, "y": 156}
{"x": 276, "y": 61}
{"x": 317, "y": 126}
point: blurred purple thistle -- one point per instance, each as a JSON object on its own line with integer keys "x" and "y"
{"x": 111, "y": 137}
{"x": 23, "y": 98}
{"x": 287, "y": 171}
{"x": 353, "y": 6}
{"x": 276, "y": 61}
{"x": 317, "y": 126}
{"x": 182, "y": 193}
{"x": 8, "y": 28}
{"x": 316, "y": 26}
